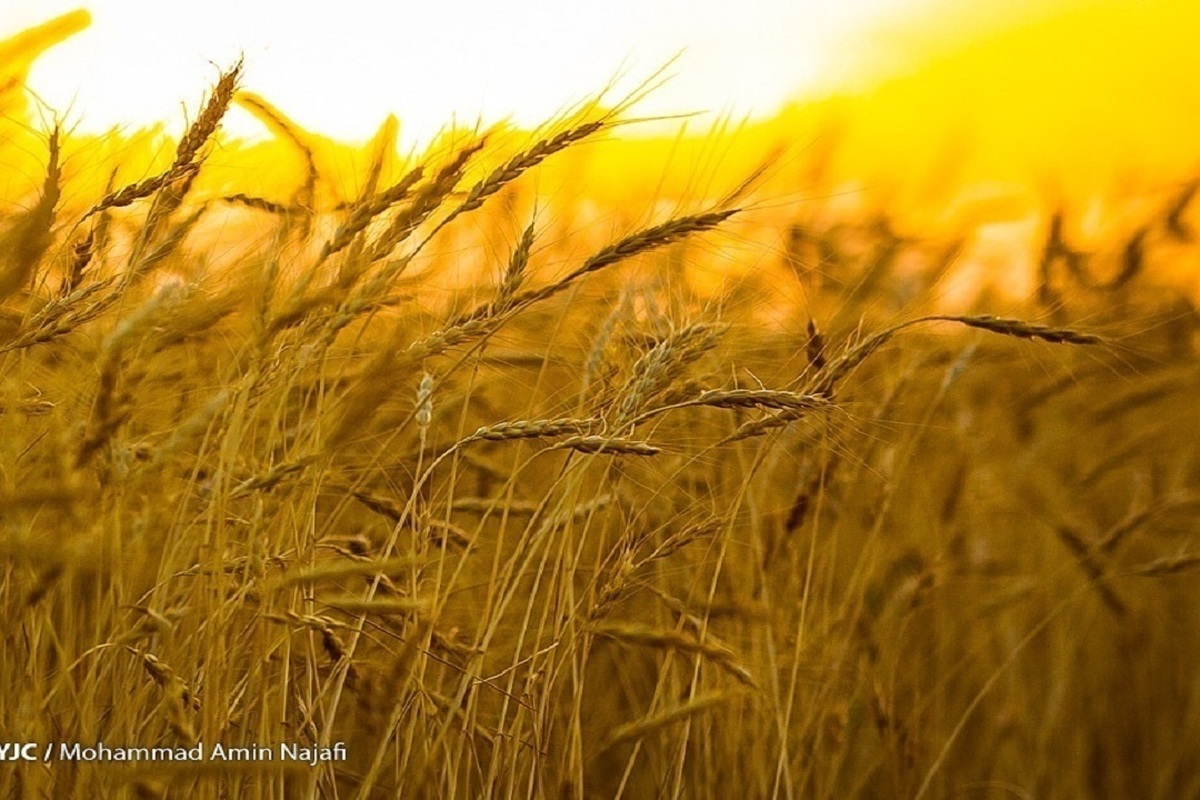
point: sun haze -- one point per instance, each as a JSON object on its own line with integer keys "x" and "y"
{"x": 341, "y": 67}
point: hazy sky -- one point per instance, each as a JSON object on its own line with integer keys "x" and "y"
{"x": 339, "y": 68}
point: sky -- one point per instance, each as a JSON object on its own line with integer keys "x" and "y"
{"x": 340, "y": 68}
{"x": 1034, "y": 87}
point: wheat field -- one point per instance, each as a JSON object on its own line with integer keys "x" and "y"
{"x": 446, "y": 488}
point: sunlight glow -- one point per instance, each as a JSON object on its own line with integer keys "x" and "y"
{"x": 919, "y": 100}
{"x": 340, "y": 68}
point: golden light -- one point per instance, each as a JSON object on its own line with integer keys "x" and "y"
{"x": 955, "y": 117}
{"x": 339, "y": 68}
{"x": 379, "y": 380}
{"x": 1046, "y": 84}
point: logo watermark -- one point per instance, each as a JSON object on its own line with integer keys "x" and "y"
{"x": 19, "y": 751}
{"x": 284, "y": 752}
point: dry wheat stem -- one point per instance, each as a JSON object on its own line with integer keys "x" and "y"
{"x": 609, "y": 445}
{"x": 639, "y": 729}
